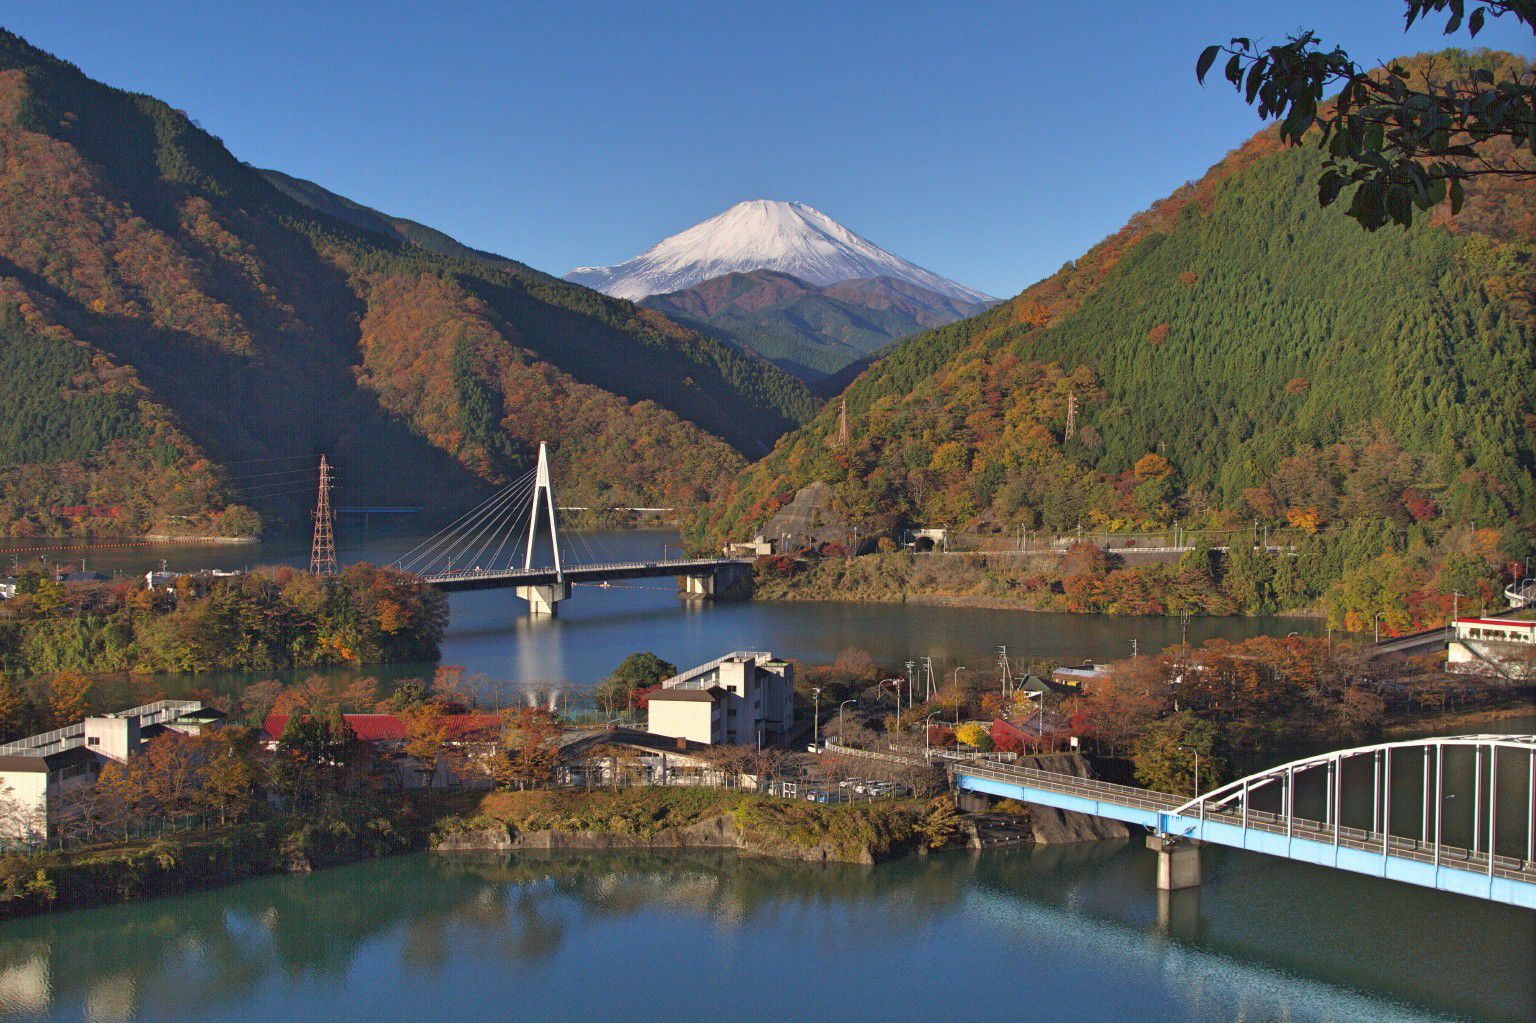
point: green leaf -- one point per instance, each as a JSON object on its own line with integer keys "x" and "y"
{"x": 1328, "y": 187}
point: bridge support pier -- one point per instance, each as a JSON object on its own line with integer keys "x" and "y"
{"x": 696, "y": 587}
{"x": 1178, "y": 862}
{"x": 542, "y": 599}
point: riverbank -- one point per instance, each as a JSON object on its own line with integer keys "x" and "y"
{"x": 344, "y": 831}
{"x": 687, "y": 818}
{"x": 349, "y": 831}
{"x": 1467, "y": 722}
{"x": 1072, "y": 581}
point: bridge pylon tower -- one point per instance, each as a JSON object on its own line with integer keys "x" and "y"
{"x": 543, "y": 598}
{"x": 322, "y": 549}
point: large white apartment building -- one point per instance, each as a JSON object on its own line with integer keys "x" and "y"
{"x": 744, "y": 697}
{"x": 37, "y": 773}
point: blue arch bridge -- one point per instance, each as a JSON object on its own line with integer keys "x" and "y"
{"x": 497, "y": 545}
{"x": 1455, "y": 813}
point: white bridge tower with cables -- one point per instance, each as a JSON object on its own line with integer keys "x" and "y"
{"x": 480, "y": 551}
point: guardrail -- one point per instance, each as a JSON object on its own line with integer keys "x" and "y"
{"x": 1126, "y": 795}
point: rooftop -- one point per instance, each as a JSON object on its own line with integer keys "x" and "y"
{"x": 693, "y": 677}
{"x": 61, "y": 739}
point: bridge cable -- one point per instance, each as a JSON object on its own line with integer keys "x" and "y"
{"x": 429, "y": 550}
{"x": 466, "y": 538}
{"x": 505, "y": 522}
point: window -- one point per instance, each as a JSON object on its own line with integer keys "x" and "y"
{"x": 94, "y": 740}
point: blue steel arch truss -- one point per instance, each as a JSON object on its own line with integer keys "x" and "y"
{"x": 1302, "y": 810}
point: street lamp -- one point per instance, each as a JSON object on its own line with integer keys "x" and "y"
{"x": 841, "y": 735}
{"x": 1191, "y": 749}
{"x": 927, "y": 736}
{"x": 1379, "y": 616}
{"x": 958, "y": 700}
{"x": 816, "y": 719}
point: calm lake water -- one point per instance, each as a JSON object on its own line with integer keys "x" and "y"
{"x": 1074, "y": 933}
{"x": 491, "y": 634}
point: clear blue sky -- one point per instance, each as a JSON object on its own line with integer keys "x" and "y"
{"x": 988, "y": 142}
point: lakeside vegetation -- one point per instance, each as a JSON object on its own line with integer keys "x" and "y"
{"x": 267, "y": 619}
{"x": 1415, "y": 577}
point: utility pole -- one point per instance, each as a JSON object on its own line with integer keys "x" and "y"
{"x": 842, "y": 423}
{"x": 1071, "y": 415}
{"x": 322, "y": 550}
{"x": 910, "y": 666}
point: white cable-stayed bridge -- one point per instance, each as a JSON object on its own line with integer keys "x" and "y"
{"x": 499, "y": 544}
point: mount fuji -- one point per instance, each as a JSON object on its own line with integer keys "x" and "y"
{"x": 763, "y": 234}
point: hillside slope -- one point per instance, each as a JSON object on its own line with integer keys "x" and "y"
{"x": 237, "y": 325}
{"x": 807, "y": 330}
{"x": 1236, "y": 355}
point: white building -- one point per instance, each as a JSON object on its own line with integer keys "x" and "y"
{"x": 36, "y": 773}
{"x": 1493, "y": 646}
{"x": 745, "y": 697}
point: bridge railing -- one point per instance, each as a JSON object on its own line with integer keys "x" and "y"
{"x": 1067, "y": 784}
{"x": 1361, "y": 839}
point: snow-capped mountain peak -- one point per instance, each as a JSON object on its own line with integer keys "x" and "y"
{"x": 789, "y": 237}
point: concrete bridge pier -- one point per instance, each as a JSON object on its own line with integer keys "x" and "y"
{"x": 696, "y": 587}
{"x": 543, "y": 598}
{"x": 1178, "y": 862}
{"x": 729, "y": 580}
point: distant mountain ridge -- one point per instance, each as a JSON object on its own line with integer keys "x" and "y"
{"x": 808, "y": 330}
{"x": 762, "y": 234}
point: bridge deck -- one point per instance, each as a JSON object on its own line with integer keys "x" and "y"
{"x": 1448, "y": 868}
{"x": 485, "y": 579}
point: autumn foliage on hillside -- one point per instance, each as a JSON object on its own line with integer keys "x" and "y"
{"x": 227, "y": 323}
{"x": 1281, "y": 366}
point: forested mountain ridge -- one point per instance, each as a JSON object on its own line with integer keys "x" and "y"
{"x": 232, "y": 323}
{"x": 810, "y": 331}
{"x": 1236, "y": 355}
